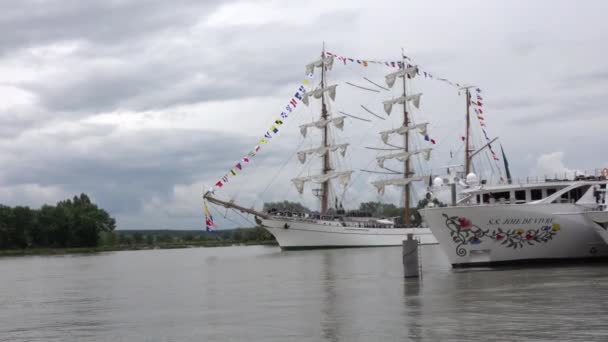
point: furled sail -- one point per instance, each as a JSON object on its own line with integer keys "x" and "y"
{"x": 317, "y": 93}
{"x": 415, "y": 99}
{"x": 410, "y": 71}
{"x": 380, "y": 185}
{"x": 321, "y": 151}
{"x": 342, "y": 176}
{"x": 422, "y": 128}
{"x": 338, "y": 122}
{"x": 403, "y": 156}
{"x": 327, "y": 61}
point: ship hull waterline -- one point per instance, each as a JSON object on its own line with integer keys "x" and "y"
{"x": 299, "y": 235}
{"x": 497, "y": 235}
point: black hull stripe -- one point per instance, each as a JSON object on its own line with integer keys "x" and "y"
{"x": 305, "y": 248}
{"x": 536, "y": 262}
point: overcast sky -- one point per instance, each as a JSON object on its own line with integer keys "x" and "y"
{"x": 140, "y": 104}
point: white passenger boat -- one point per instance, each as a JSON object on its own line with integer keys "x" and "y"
{"x": 513, "y": 223}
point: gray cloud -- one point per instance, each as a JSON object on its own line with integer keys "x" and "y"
{"x": 134, "y": 56}
{"x": 515, "y": 103}
{"x": 34, "y": 23}
{"x": 120, "y": 169}
{"x": 565, "y": 110}
{"x": 587, "y": 78}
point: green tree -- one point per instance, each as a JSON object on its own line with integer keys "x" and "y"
{"x": 71, "y": 223}
{"x": 286, "y": 206}
{"x": 165, "y": 238}
{"x": 6, "y": 223}
{"x": 236, "y": 235}
{"x": 138, "y": 238}
{"x": 379, "y": 208}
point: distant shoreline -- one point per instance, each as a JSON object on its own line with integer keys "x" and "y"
{"x": 100, "y": 249}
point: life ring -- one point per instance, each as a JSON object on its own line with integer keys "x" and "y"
{"x": 605, "y": 172}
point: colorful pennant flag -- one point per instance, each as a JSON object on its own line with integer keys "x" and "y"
{"x": 293, "y": 102}
{"x": 209, "y": 224}
{"x": 394, "y": 64}
{"x": 427, "y": 138}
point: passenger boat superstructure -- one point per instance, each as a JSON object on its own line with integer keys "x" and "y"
{"x": 510, "y": 223}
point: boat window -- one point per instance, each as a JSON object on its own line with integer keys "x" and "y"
{"x": 551, "y": 191}
{"x": 478, "y": 199}
{"x": 520, "y": 195}
{"x": 573, "y": 195}
{"x": 502, "y": 196}
{"x": 536, "y": 194}
{"x": 486, "y": 198}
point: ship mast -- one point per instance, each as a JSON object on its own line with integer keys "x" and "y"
{"x": 406, "y": 137}
{"x": 406, "y": 153}
{"x": 467, "y": 148}
{"x": 326, "y": 158}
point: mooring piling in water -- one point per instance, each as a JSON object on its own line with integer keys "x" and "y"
{"x": 411, "y": 266}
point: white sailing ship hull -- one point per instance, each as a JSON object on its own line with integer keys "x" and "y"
{"x": 501, "y": 234}
{"x": 299, "y": 234}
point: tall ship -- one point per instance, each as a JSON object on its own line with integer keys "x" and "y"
{"x": 332, "y": 226}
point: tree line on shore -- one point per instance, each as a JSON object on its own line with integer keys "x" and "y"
{"x": 169, "y": 238}
{"x": 75, "y": 222}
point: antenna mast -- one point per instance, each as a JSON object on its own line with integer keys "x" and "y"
{"x": 406, "y": 173}
{"x": 326, "y": 161}
{"x": 467, "y": 149}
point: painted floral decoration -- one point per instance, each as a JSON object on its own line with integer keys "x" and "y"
{"x": 464, "y": 232}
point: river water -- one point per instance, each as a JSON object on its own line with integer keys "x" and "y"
{"x": 262, "y": 294}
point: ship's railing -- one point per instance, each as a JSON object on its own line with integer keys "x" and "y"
{"x": 336, "y": 221}
{"x": 595, "y": 175}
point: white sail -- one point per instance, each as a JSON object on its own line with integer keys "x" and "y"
{"x": 422, "y": 128}
{"x": 415, "y": 99}
{"x": 338, "y": 122}
{"x": 343, "y": 177}
{"x": 317, "y": 93}
{"x": 380, "y": 185}
{"x": 410, "y": 71}
{"x": 403, "y": 156}
{"x": 321, "y": 151}
{"x": 327, "y": 61}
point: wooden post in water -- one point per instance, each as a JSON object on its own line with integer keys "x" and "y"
{"x": 411, "y": 265}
